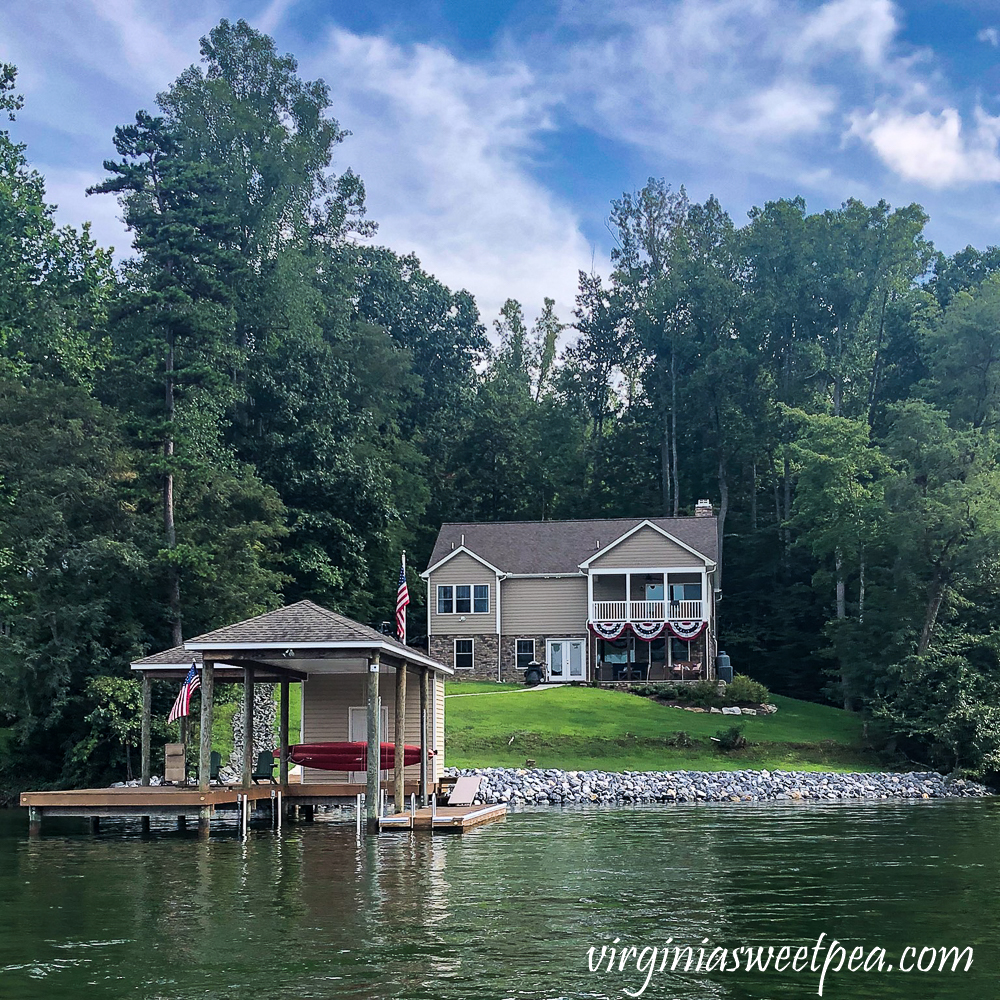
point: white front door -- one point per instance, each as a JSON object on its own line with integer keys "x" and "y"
{"x": 564, "y": 660}
{"x": 357, "y": 729}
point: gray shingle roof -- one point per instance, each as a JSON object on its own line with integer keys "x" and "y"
{"x": 170, "y": 656}
{"x": 560, "y": 546}
{"x": 303, "y": 621}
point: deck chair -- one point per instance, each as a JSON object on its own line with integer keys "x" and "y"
{"x": 214, "y": 766}
{"x": 464, "y": 791}
{"x": 264, "y": 771}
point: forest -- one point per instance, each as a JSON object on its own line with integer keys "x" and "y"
{"x": 262, "y": 404}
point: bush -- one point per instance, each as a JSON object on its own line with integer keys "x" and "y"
{"x": 704, "y": 694}
{"x": 662, "y": 692}
{"x": 731, "y": 738}
{"x": 745, "y": 689}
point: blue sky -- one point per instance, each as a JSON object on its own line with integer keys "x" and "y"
{"x": 492, "y": 137}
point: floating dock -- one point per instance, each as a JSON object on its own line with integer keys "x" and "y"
{"x": 444, "y": 818}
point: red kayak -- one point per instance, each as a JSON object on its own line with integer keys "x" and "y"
{"x": 350, "y": 756}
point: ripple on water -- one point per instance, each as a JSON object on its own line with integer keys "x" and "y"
{"x": 508, "y": 910}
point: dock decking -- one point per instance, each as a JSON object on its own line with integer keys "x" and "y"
{"x": 181, "y": 801}
{"x": 444, "y": 818}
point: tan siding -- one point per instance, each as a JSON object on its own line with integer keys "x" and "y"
{"x": 544, "y": 607}
{"x": 646, "y": 549}
{"x": 326, "y": 703}
{"x": 437, "y": 742}
{"x": 463, "y": 569}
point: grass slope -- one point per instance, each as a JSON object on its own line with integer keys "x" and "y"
{"x": 582, "y": 727}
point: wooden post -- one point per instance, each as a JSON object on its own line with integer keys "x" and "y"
{"x": 204, "y": 822}
{"x": 34, "y": 821}
{"x": 205, "y": 756}
{"x": 283, "y": 734}
{"x": 248, "y": 761}
{"x": 145, "y": 826}
{"x": 147, "y": 721}
{"x": 374, "y": 738}
{"x": 400, "y": 733}
{"x": 424, "y": 699}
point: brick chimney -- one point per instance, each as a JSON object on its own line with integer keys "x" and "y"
{"x": 703, "y": 508}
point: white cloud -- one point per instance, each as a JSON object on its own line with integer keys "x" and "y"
{"x": 444, "y": 148}
{"x": 867, "y": 27}
{"x": 705, "y": 80}
{"x": 66, "y": 187}
{"x": 935, "y": 149}
{"x": 991, "y": 36}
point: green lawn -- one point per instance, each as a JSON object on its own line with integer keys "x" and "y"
{"x": 582, "y": 727}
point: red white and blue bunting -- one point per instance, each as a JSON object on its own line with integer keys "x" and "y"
{"x": 687, "y": 630}
{"x": 609, "y": 630}
{"x": 648, "y": 631}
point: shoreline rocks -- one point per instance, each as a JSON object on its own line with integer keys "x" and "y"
{"x": 553, "y": 786}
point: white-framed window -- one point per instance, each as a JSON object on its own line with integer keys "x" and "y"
{"x": 463, "y": 599}
{"x": 464, "y": 654}
{"x": 446, "y": 600}
{"x": 524, "y": 653}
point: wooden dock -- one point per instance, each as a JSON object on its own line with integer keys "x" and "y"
{"x": 455, "y": 819}
{"x": 293, "y": 800}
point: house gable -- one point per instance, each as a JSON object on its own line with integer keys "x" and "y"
{"x": 462, "y": 568}
{"x": 645, "y": 546}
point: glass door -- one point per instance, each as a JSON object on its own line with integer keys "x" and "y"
{"x": 565, "y": 660}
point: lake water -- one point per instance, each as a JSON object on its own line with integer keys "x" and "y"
{"x": 506, "y": 911}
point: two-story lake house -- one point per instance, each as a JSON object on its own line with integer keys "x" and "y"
{"x": 606, "y": 600}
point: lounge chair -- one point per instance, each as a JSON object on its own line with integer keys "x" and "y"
{"x": 464, "y": 791}
{"x": 264, "y": 771}
{"x": 214, "y": 766}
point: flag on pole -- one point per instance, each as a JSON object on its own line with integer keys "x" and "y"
{"x": 402, "y": 599}
{"x": 182, "y": 706}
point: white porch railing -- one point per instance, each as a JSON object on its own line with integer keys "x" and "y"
{"x": 645, "y": 611}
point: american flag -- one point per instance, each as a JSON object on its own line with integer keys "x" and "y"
{"x": 182, "y": 706}
{"x": 402, "y": 599}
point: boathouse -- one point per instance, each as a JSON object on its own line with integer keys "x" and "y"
{"x": 357, "y": 685}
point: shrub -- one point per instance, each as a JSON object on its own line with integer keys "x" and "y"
{"x": 663, "y": 692}
{"x": 731, "y": 738}
{"x": 745, "y": 689}
{"x": 704, "y": 694}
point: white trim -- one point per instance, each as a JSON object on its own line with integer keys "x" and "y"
{"x": 566, "y": 678}
{"x": 358, "y": 644}
{"x": 534, "y": 649}
{"x": 451, "y": 555}
{"x": 454, "y": 651}
{"x": 621, "y": 570}
{"x": 499, "y": 633}
{"x": 644, "y": 524}
{"x": 543, "y": 576}
{"x": 165, "y": 666}
{"x": 454, "y": 599}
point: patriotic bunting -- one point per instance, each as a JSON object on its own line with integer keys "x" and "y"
{"x": 648, "y": 631}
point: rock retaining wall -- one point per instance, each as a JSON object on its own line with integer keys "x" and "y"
{"x": 263, "y": 730}
{"x": 546, "y": 786}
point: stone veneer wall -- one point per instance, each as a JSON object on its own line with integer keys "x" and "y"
{"x": 508, "y": 649}
{"x": 484, "y": 655}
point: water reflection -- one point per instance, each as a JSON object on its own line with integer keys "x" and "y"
{"x": 504, "y": 911}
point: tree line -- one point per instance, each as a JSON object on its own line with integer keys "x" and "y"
{"x": 262, "y": 404}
